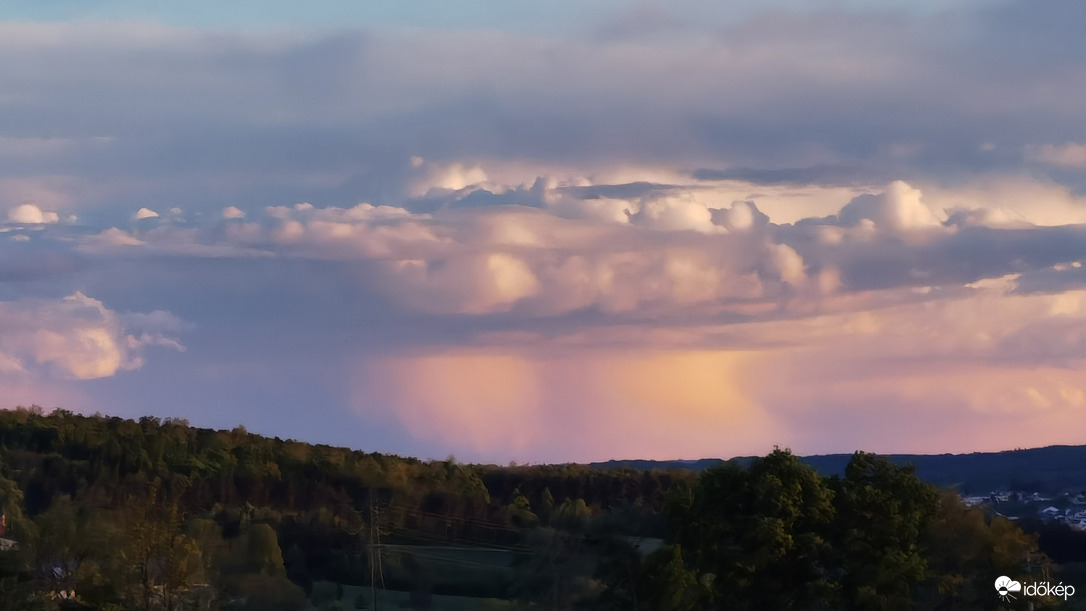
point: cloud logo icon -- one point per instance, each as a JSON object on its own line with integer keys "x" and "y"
{"x": 1005, "y": 585}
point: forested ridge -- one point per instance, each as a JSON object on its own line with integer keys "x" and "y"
{"x": 110, "y": 513}
{"x": 1049, "y": 470}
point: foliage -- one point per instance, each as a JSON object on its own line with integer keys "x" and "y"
{"x": 155, "y": 514}
{"x": 882, "y": 513}
{"x": 776, "y": 535}
{"x": 761, "y": 533}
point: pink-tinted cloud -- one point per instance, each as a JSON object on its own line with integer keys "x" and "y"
{"x": 77, "y": 338}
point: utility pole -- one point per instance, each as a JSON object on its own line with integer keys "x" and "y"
{"x": 377, "y": 569}
{"x": 373, "y": 559}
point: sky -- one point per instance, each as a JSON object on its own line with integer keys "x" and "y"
{"x": 551, "y": 232}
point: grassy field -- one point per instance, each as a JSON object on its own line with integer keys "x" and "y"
{"x": 436, "y": 569}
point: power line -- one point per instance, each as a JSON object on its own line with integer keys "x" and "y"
{"x": 424, "y": 535}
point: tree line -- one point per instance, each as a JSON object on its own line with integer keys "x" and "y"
{"x": 111, "y": 513}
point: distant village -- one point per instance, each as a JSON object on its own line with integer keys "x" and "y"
{"x": 1066, "y": 508}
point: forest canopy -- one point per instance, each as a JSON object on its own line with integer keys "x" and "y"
{"x": 110, "y": 513}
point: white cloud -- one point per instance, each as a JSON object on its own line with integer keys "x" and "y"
{"x": 448, "y": 177}
{"x": 30, "y": 214}
{"x": 1010, "y": 200}
{"x": 232, "y": 212}
{"x": 676, "y": 213}
{"x": 679, "y": 255}
{"x": 897, "y": 208}
{"x": 740, "y": 216}
{"x": 614, "y": 210}
{"x": 78, "y": 337}
{"x": 787, "y": 262}
{"x": 472, "y": 284}
{"x": 112, "y": 237}
{"x": 145, "y": 213}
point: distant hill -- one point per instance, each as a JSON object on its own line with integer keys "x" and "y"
{"x": 1050, "y": 469}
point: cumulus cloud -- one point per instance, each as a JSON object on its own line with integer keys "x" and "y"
{"x": 572, "y": 310}
{"x": 443, "y": 177}
{"x": 1007, "y": 199}
{"x": 30, "y": 214}
{"x": 740, "y": 216}
{"x": 609, "y": 209}
{"x": 679, "y": 213}
{"x": 111, "y": 237}
{"x": 78, "y": 337}
{"x": 231, "y": 212}
{"x": 473, "y": 284}
{"x": 145, "y": 213}
{"x": 675, "y": 256}
{"x": 985, "y": 217}
{"x": 897, "y": 208}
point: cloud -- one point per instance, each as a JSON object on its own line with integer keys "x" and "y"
{"x": 677, "y": 256}
{"x": 928, "y": 376}
{"x": 832, "y": 227}
{"x": 897, "y": 208}
{"x": 852, "y": 95}
{"x": 472, "y": 284}
{"x": 1011, "y": 200}
{"x": 30, "y": 214}
{"x": 740, "y": 216}
{"x": 641, "y": 337}
{"x": 110, "y": 238}
{"x": 232, "y": 212}
{"x": 145, "y": 213}
{"x": 78, "y": 337}
{"x": 608, "y": 209}
{"x": 923, "y": 377}
{"x": 1070, "y": 155}
{"x": 450, "y": 177}
{"x": 679, "y": 213}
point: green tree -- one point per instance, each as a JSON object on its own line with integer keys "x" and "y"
{"x": 668, "y": 585}
{"x": 166, "y": 561}
{"x": 571, "y": 514}
{"x": 758, "y": 534}
{"x": 16, "y": 585}
{"x": 882, "y": 514}
{"x": 546, "y": 505}
{"x": 520, "y": 511}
